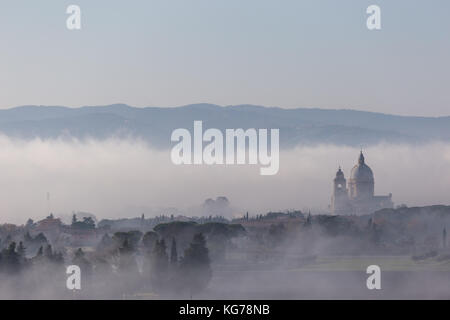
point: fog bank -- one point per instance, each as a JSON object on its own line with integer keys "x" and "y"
{"x": 124, "y": 178}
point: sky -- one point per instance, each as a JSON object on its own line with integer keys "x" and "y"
{"x": 286, "y": 53}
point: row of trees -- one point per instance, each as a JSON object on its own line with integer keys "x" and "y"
{"x": 13, "y": 259}
{"x": 115, "y": 271}
{"x": 190, "y": 273}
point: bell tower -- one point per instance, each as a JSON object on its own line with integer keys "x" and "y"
{"x": 339, "y": 200}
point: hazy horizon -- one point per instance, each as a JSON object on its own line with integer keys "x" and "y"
{"x": 226, "y": 106}
{"x": 261, "y": 52}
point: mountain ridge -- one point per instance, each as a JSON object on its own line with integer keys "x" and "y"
{"x": 297, "y": 126}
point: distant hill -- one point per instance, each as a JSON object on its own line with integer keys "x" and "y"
{"x": 155, "y": 125}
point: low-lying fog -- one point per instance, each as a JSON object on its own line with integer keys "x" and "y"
{"x": 124, "y": 178}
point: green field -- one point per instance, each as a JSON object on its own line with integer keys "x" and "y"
{"x": 386, "y": 263}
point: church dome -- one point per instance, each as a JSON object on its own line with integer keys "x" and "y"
{"x": 361, "y": 172}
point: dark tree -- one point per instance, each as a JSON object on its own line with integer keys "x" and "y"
{"x": 40, "y": 252}
{"x": 81, "y": 261}
{"x": 132, "y": 238}
{"x": 53, "y": 257}
{"x": 195, "y": 266}
{"x": 127, "y": 262}
{"x": 48, "y": 252}
{"x": 89, "y": 222}
{"x": 10, "y": 259}
{"x": 173, "y": 253}
{"x": 41, "y": 238}
{"x": 149, "y": 240}
{"x": 159, "y": 265}
{"x": 21, "y": 250}
{"x": 308, "y": 222}
{"x": 444, "y": 238}
{"x": 27, "y": 237}
{"x": 106, "y": 244}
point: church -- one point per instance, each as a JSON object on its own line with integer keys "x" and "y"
{"x": 357, "y": 197}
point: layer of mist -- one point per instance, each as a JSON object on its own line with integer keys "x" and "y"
{"x": 124, "y": 178}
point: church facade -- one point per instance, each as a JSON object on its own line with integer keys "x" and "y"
{"x": 357, "y": 196}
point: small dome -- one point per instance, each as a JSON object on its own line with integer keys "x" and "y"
{"x": 339, "y": 173}
{"x": 361, "y": 171}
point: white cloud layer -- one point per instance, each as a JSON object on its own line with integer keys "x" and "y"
{"x": 122, "y": 178}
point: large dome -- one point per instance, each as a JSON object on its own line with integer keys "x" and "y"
{"x": 361, "y": 172}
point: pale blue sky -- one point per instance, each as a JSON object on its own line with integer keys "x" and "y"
{"x": 287, "y": 53}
